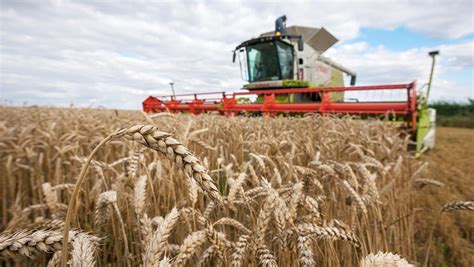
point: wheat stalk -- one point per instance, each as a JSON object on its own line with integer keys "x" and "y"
{"x": 72, "y": 203}
{"x": 124, "y": 233}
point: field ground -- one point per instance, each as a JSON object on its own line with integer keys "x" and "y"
{"x": 331, "y": 190}
{"x": 451, "y": 162}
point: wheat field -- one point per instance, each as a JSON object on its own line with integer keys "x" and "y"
{"x": 178, "y": 190}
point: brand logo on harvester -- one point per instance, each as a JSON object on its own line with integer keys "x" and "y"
{"x": 262, "y": 85}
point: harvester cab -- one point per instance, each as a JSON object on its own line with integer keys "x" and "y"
{"x": 292, "y": 58}
{"x": 288, "y": 74}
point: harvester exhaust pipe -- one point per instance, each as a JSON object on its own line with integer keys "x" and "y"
{"x": 300, "y": 43}
{"x": 353, "y": 79}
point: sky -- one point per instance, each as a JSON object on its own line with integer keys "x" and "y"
{"x": 114, "y": 54}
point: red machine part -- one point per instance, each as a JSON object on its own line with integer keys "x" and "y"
{"x": 228, "y": 104}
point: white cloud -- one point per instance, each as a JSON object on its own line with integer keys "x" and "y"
{"x": 378, "y": 65}
{"x": 62, "y": 52}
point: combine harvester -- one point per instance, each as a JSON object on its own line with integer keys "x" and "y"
{"x": 287, "y": 74}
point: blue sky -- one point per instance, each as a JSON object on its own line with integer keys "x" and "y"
{"x": 96, "y": 53}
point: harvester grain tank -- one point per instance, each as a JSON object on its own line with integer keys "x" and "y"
{"x": 287, "y": 73}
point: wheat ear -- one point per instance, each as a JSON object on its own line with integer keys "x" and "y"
{"x": 150, "y": 136}
{"x": 83, "y": 250}
{"x": 27, "y": 243}
{"x": 165, "y": 262}
{"x": 218, "y": 241}
{"x": 423, "y": 181}
{"x": 156, "y": 244}
{"x": 265, "y": 257}
{"x": 208, "y": 210}
{"x": 384, "y": 259}
{"x": 207, "y": 255}
{"x": 102, "y": 207}
{"x": 55, "y": 260}
{"x": 305, "y": 252}
{"x": 190, "y": 244}
{"x": 139, "y": 195}
{"x": 60, "y": 187}
{"x": 357, "y": 197}
{"x": 324, "y": 232}
{"x": 458, "y": 205}
{"x": 239, "y": 251}
{"x": 145, "y": 229}
{"x": 234, "y": 223}
{"x": 133, "y": 166}
{"x": 50, "y": 197}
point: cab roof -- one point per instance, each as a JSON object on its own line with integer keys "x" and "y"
{"x": 317, "y": 38}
